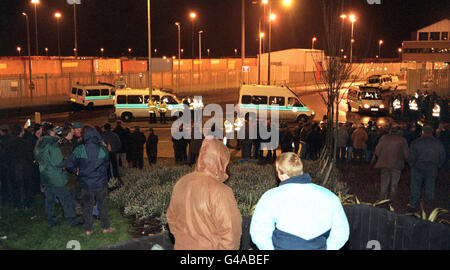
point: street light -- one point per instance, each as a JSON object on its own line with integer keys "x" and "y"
{"x": 75, "y": 27}
{"x": 75, "y": 51}
{"x": 235, "y": 52}
{"x": 18, "y": 50}
{"x": 380, "y": 42}
{"x": 193, "y": 16}
{"x": 149, "y": 37}
{"x": 261, "y": 36}
{"x": 46, "y": 52}
{"x": 102, "y": 50}
{"x": 208, "y": 51}
{"x": 400, "y": 53}
{"x": 314, "y": 39}
{"x": 200, "y": 54}
{"x": 352, "y": 18}
{"x": 36, "y": 2}
{"x": 129, "y": 52}
{"x": 179, "y": 54}
{"x": 29, "y": 56}
{"x": 58, "y": 16}
{"x": 155, "y": 51}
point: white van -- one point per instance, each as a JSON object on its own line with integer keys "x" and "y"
{"x": 257, "y": 97}
{"x": 92, "y": 95}
{"x": 133, "y": 103}
{"x": 365, "y": 99}
{"x": 383, "y": 82}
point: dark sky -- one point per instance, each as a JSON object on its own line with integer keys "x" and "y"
{"x": 118, "y": 25}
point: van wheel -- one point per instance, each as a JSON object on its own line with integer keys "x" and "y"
{"x": 127, "y": 117}
{"x": 90, "y": 106}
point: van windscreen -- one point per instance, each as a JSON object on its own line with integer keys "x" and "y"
{"x": 80, "y": 92}
{"x": 372, "y": 95}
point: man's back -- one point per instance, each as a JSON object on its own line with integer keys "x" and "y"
{"x": 299, "y": 215}
{"x": 426, "y": 151}
{"x": 391, "y": 151}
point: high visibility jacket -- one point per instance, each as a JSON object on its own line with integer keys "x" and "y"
{"x": 152, "y": 106}
{"x": 162, "y": 107}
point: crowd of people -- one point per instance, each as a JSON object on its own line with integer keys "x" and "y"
{"x": 70, "y": 165}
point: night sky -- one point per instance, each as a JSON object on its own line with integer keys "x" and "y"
{"x": 117, "y": 25}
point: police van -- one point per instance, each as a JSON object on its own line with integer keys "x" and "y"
{"x": 130, "y": 103}
{"x": 92, "y": 95}
{"x": 365, "y": 99}
{"x": 269, "y": 97}
{"x": 383, "y": 82}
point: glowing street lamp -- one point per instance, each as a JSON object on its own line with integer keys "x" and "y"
{"x": 235, "y": 52}
{"x": 352, "y": 18}
{"x": 129, "y": 52}
{"x": 193, "y": 17}
{"x": 314, "y": 39}
{"x": 29, "y": 55}
{"x": 102, "y": 50}
{"x": 46, "y": 51}
{"x": 35, "y": 3}
{"x": 261, "y": 36}
{"x": 58, "y": 17}
{"x": 380, "y": 42}
{"x": 179, "y": 54}
{"x": 19, "y": 50}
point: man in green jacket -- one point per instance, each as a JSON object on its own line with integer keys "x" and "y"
{"x": 54, "y": 178}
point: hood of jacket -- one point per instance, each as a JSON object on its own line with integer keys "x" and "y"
{"x": 92, "y": 136}
{"x": 213, "y": 159}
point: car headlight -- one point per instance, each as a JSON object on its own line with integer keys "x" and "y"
{"x": 366, "y": 106}
{"x": 381, "y": 106}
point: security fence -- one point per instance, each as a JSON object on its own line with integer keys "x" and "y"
{"x": 52, "y": 89}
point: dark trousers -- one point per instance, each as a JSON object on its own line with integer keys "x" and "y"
{"x": 4, "y": 182}
{"x": 138, "y": 160}
{"x": 152, "y": 117}
{"x": 246, "y": 149}
{"x": 21, "y": 186}
{"x": 162, "y": 117}
{"x": 64, "y": 197}
{"x": 256, "y": 148}
{"x": 192, "y": 158}
{"x": 389, "y": 182}
{"x": 89, "y": 198}
{"x": 113, "y": 164}
{"x": 418, "y": 178}
{"x": 151, "y": 160}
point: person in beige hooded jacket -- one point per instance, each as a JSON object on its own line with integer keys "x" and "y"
{"x": 203, "y": 213}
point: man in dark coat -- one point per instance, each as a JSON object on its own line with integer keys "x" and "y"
{"x": 286, "y": 138}
{"x": 90, "y": 162}
{"x": 426, "y": 156}
{"x": 137, "y": 141}
{"x": 32, "y": 140}
{"x": 152, "y": 147}
{"x": 112, "y": 140}
{"x": 4, "y": 172}
{"x": 20, "y": 158}
{"x": 121, "y": 154}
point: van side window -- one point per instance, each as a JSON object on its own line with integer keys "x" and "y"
{"x": 246, "y": 99}
{"x": 113, "y": 92}
{"x": 121, "y": 99}
{"x": 80, "y": 92}
{"x": 135, "y": 99}
{"x": 105, "y": 92}
{"x": 93, "y": 93}
{"x": 74, "y": 91}
{"x": 276, "y": 100}
{"x": 295, "y": 102}
{"x": 259, "y": 100}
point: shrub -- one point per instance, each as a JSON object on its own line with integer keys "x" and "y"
{"x": 146, "y": 194}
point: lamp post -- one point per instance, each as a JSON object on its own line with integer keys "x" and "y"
{"x": 179, "y": 54}
{"x": 271, "y": 18}
{"x": 155, "y": 51}
{"x": 200, "y": 54}
{"x": 19, "y": 50}
{"x": 46, "y": 51}
{"x": 380, "y": 42}
{"x": 352, "y": 18}
{"x": 193, "y": 16}
{"x": 208, "y": 51}
{"x": 235, "y": 52}
{"x": 400, "y": 54}
{"x": 314, "y": 39}
{"x": 75, "y": 27}
{"x": 129, "y": 52}
{"x": 75, "y": 52}
{"x": 261, "y": 36}
{"x": 58, "y": 16}
{"x": 102, "y": 50}
{"x": 35, "y": 3}
{"x": 149, "y": 36}
{"x": 29, "y": 56}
